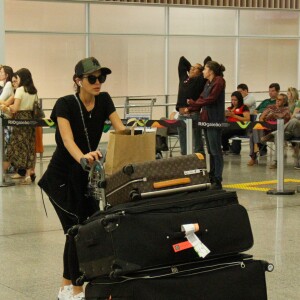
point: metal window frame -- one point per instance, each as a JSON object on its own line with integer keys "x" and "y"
{"x": 236, "y": 5}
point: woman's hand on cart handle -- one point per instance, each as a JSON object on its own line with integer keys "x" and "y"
{"x": 92, "y": 156}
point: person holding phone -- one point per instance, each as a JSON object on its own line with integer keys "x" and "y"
{"x": 237, "y": 112}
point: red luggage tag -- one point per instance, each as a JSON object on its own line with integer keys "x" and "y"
{"x": 182, "y": 246}
{"x": 186, "y": 245}
{"x": 192, "y": 241}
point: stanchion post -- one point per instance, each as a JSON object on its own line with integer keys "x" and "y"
{"x": 2, "y": 180}
{"x": 189, "y": 136}
{"x": 280, "y": 162}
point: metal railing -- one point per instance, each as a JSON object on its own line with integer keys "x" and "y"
{"x": 165, "y": 101}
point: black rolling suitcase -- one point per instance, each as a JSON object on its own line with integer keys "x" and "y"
{"x": 157, "y": 178}
{"x": 144, "y": 234}
{"x": 232, "y": 278}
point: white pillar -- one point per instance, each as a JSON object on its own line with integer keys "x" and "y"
{"x": 189, "y": 136}
{"x": 298, "y": 70}
{"x": 87, "y": 30}
{"x": 279, "y": 148}
{"x": 2, "y": 61}
{"x": 280, "y": 163}
{"x": 2, "y": 33}
{"x": 237, "y": 48}
{"x": 167, "y": 42}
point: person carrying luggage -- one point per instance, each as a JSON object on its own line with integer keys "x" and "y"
{"x": 79, "y": 122}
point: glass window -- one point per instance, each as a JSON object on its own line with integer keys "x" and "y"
{"x": 50, "y": 58}
{"x": 269, "y": 22}
{"x": 137, "y": 63}
{"x": 44, "y": 16}
{"x": 202, "y": 21}
{"x": 221, "y": 50}
{"x": 264, "y": 61}
{"x": 126, "y": 19}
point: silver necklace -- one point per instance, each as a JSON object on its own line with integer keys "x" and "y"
{"x": 84, "y": 127}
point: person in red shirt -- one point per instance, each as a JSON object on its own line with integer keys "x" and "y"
{"x": 237, "y": 112}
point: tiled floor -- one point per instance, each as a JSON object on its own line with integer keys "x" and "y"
{"x": 31, "y": 244}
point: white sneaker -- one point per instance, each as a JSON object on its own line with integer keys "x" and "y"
{"x": 65, "y": 293}
{"x": 79, "y": 296}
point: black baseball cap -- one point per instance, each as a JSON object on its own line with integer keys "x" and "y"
{"x": 90, "y": 65}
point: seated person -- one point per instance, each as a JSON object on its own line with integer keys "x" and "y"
{"x": 293, "y": 97}
{"x": 237, "y": 112}
{"x": 291, "y": 131}
{"x": 274, "y": 90}
{"x": 162, "y": 134}
{"x": 273, "y": 112}
{"x": 249, "y": 99}
{"x": 174, "y": 115}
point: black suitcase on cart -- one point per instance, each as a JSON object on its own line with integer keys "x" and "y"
{"x": 144, "y": 234}
{"x": 232, "y": 278}
{"x": 157, "y": 178}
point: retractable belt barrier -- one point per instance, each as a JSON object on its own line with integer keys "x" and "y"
{"x": 20, "y": 123}
{"x": 188, "y": 124}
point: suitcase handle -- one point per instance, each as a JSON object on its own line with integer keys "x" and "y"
{"x": 172, "y": 182}
{"x": 200, "y": 156}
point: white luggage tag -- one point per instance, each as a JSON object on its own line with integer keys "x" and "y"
{"x": 199, "y": 247}
{"x": 195, "y": 171}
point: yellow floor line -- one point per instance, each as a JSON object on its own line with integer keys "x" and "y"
{"x": 253, "y": 186}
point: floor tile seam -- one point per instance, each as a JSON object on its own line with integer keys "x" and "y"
{"x": 10, "y": 288}
{"x": 272, "y": 207}
{"x": 248, "y": 188}
{"x": 25, "y": 233}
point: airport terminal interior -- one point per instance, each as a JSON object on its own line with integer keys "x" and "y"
{"x": 258, "y": 43}
{"x": 31, "y": 244}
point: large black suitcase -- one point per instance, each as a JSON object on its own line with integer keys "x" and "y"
{"x": 233, "y": 278}
{"x": 157, "y": 178}
{"x": 143, "y": 234}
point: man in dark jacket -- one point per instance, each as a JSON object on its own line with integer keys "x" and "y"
{"x": 191, "y": 85}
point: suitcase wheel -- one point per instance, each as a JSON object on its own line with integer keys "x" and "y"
{"x": 269, "y": 267}
{"x": 115, "y": 273}
{"x": 80, "y": 280}
{"x": 102, "y": 184}
{"x": 134, "y": 195}
{"x": 128, "y": 170}
{"x": 73, "y": 230}
{"x": 110, "y": 222}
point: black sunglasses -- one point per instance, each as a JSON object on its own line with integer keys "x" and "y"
{"x": 92, "y": 78}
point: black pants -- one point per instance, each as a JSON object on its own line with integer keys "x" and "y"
{"x": 71, "y": 265}
{"x": 229, "y": 133}
{"x": 70, "y": 259}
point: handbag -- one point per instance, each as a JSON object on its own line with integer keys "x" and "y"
{"x": 38, "y": 112}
